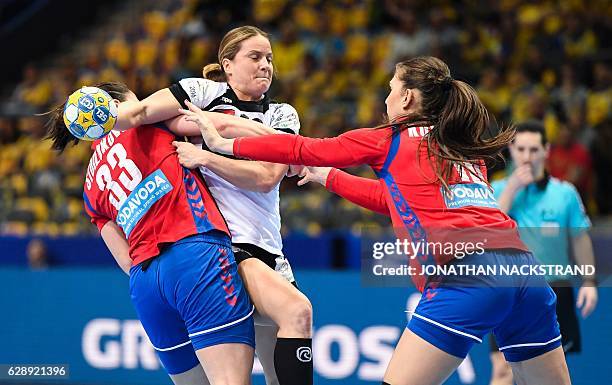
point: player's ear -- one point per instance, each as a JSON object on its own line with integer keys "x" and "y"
{"x": 226, "y": 64}
{"x": 116, "y": 101}
{"x": 411, "y": 101}
{"x": 407, "y": 98}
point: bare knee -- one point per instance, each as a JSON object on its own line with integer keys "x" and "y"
{"x": 297, "y": 318}
{"x": 301, "y": 314}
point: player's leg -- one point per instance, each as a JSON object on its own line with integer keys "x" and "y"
{"x": 201, "y": 282}
{"x": 444, "y": 326}
{"x": 547, "y": 369}
{"x": 265, "y": 342}
{"x": 417, "y": 362}
{"x": 453, "y": 314}
{"x": 532, "y": 344}
{"x": 529, "y": 337}
{"x": 193, "y": 376}
{"x": 276, "y": 298}
{"x": 501, "y": 372}
{"x": 227, "y": 364}
{"x": 164, "y": 326}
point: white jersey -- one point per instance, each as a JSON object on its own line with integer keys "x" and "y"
{"x": 252, "y": 217}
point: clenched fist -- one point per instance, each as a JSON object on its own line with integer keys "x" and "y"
{"x": 189, "y": 155}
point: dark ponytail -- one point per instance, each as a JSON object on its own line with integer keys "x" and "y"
{"x": 460, "y": 122}
{"x": 57, "y": 130}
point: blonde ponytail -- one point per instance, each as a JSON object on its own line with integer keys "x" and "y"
{"x": 214, "y": 72}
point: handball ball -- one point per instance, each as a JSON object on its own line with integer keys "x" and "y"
{"x": 90, "y": 113}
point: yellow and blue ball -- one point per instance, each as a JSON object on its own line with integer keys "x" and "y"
{"x": 90, "y": 113}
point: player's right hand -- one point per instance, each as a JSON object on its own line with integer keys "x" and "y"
{"x": 189, "y": 155}
{"x": 587, "y": 299}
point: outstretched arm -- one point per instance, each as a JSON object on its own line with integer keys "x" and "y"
{"x": 356, "y": 147}
{"x": 253, "y": 176}
{"x": 158, "y": 107}
{"x": 244, "y": 174}
{"x": 233, "y": 127}
{"x": 163, "y": 106}
{"x": 353, "y": 148}
{"x": 364, "y": 192}
{"x": 228, "y": 126}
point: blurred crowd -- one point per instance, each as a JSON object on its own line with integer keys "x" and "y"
{"x": 546, "y": 60}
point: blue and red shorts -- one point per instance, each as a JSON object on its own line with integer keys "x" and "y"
{"x": 456, "y": 311}
{"x": 191, "y": 297}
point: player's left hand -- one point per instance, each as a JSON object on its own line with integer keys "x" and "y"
{"x": 314, "y": 174}
{"x": 294, "y": 170}
{"x": 587, "y": 300}
{"x": 189, "y": 155}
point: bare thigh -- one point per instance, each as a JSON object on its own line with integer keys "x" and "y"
{"x": 227, "y": 364}
{"x": 265, "y": 342}
{"x": 501, "y": 373}
{"x": 548, "y": 369}
{"x": 277, "y": 299}
{"x": 417, "y": 362}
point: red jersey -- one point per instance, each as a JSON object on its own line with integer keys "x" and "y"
{"x": 407, "y": 188}
{"x": 134, "y": 179}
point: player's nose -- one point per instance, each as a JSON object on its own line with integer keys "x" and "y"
{"x": 264, "y": 64}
